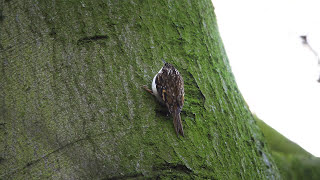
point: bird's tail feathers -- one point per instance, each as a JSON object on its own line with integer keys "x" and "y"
{"x": 177, "y": 123}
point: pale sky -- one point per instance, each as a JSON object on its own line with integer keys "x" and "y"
{"x": 276, "y": 74}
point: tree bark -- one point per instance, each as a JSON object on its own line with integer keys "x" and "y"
{"x": 71, "y": 101}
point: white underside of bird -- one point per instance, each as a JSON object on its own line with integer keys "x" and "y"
{"x": 154, "y": 88}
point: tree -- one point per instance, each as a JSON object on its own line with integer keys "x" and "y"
{"x": 72, "y": 105}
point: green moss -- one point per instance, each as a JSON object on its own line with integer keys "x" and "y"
{"x": 74, "y": 108}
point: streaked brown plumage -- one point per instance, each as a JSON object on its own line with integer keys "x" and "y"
{"x": 168, "y": 87}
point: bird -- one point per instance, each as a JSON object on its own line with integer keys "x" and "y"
{"x": 168, "y": 88}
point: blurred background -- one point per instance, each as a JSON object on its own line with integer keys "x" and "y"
{"x": 275, "y": 72}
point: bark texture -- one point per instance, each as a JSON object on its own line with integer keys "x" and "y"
{"x": 72, "y": 106}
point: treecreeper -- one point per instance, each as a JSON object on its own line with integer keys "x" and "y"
{"x": 168, "y": 88}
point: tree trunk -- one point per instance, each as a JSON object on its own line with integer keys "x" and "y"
{"x": 72, "y": 106}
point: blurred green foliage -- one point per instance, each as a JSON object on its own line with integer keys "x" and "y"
{"x": 294, "y": 163}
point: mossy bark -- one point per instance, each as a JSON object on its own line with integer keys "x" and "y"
{"x": 71, "y": 101}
